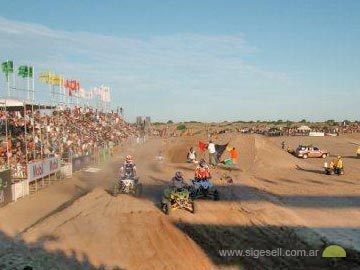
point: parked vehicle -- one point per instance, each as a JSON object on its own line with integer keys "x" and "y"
{"x": 274, "y": 132}
{"x": 310, "y": 152}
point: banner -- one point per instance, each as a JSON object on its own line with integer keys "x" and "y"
{"x": 42, "y": 168}
{"x": 20, "y": 189}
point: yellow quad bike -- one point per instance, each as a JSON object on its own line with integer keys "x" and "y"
{"x": 177, "y": 198}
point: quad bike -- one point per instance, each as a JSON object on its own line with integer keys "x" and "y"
{"x": 331, "y": 171}
{"x": 177, "y": 198}
{"x": 203, "y": 188}
{"x": 129, "y": 185}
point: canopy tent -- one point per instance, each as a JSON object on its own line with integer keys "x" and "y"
{"x": 14, "y": 104}
{"x": 304, "y": 128}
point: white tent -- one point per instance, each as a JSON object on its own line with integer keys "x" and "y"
{"x": 304, "y": 128}
{"x": 14, "y": 104}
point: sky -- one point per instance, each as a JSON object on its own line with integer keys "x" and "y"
{"x": 196, "y": 60}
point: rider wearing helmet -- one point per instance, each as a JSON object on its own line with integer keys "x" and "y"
{"x": 178, "y": 180}
{"x": 339, "y": 165}
{"x": 128, "y": 169}
{"x": 202, "y": 171}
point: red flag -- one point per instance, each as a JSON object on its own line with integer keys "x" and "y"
{"x": 202, "y": 146}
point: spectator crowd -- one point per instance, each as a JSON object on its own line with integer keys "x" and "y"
{"x": 61, "y": 133}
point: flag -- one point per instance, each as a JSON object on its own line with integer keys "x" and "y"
{"x": 96, "y": 91}
{"x": 202, "y": 146}
{"x": 105, "y": 93}
{"x": 82, "y": 93}
{"x": 44, "y": 77}
{"x": 89, "y": 94}
{"x": 7, "y": 67}
{"x": 55, "y": 79}
{"x": 69, "y": 92}
{"x": 220, "y": 148}
{"x": 51, "y": 78}
{"x": 72, "y": 85}
{"x": 25, "y": 71}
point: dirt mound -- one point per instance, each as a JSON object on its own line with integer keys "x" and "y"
{"x": 177, "y": 149}
{"x": 272, "y": 157}
{"x": 121, "y": 232}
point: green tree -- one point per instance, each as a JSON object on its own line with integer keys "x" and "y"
{"x": 347, "y": 122}
{"x": 330, "y": 122}
{"x": 181, "y": 127}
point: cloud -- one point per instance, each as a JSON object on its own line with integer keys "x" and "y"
{"x": 147, "y": 75}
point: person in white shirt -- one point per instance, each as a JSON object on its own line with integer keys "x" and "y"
{"x": 191, "y": 156}
{"x": 212, "y": 153}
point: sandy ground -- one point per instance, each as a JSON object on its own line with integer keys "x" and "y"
{"x": 275, "y": 201}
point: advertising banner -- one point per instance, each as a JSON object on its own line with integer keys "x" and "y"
{"x": 41, "y": 168}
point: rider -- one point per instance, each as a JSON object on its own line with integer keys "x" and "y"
{"x": 202, "y": 171}
{"x": 339, "y": 165}
{"x": 128, "y": 168}
{"x": 178, "y": 180}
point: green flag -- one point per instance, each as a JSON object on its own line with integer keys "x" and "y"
{"x": 25, "y": 71}
{"x": 7, "y": 67}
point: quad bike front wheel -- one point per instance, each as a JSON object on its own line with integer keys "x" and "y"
{"x": 138, "y": 190}
{"x": 193, "y": 208}
{"x": 115, "y": 190}
{"x": 166, "y": 207}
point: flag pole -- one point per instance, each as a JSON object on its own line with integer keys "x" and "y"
{"x": 28, "y": 83}
{"x": 14, "y": 84}
{"x": 33, "y": 83}
{"x": 8, "y": 84}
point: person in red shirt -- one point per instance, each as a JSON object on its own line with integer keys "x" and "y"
{"x": 234, "y": 155}
{"x": 202, "y": 171}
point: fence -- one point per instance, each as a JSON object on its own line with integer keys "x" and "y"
{"x": 42, "y": 173}
{"x": 16, "y": 183}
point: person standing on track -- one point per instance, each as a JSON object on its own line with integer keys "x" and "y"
{"x": 234, "y": 155}
{"x": 212, "y": 153}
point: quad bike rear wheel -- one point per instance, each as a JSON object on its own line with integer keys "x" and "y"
{"x": 138, "y": 190}
{"x": 216, "y": 195}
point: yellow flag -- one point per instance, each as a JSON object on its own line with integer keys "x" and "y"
{"x": 44, "y": 77}
{"x": 51, "y": 78}
{"x": 56, "y": 79}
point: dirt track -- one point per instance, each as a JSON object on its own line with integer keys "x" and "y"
{"x": 276, "y": 200}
